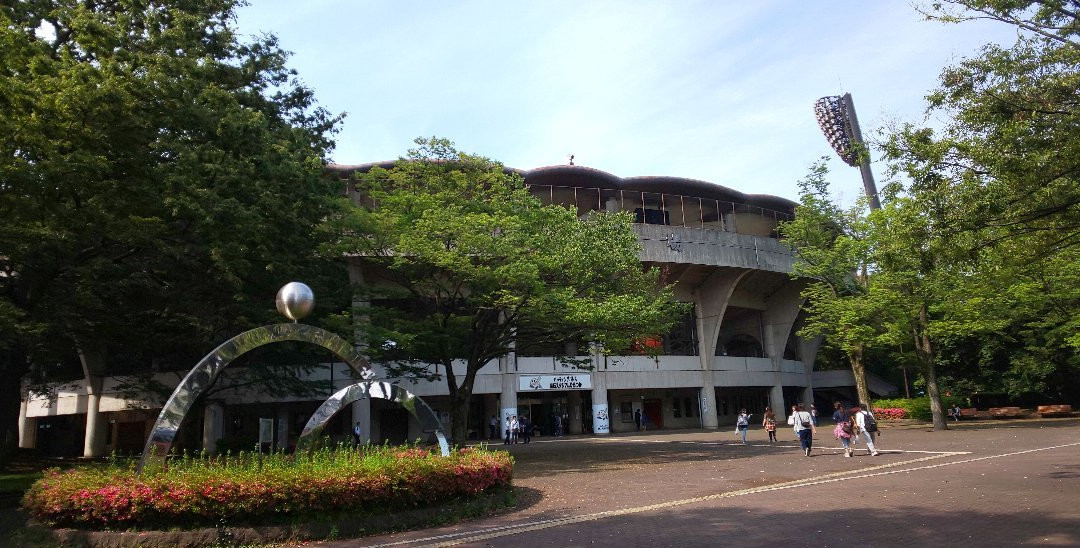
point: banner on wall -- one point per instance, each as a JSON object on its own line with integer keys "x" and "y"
{"x": 601, "y": 422}
{"x": 531, "y": 383}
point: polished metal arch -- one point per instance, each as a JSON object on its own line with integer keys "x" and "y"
{"x": 206, "y": 371}
{"x": 429, "y": 421}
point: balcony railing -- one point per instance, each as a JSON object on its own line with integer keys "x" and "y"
{"x": 667, "y": 209}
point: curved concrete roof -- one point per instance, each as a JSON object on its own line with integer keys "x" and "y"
{"x": 587, "y": 177}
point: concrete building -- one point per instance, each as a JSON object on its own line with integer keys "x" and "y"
{"x": 738, "y": 347}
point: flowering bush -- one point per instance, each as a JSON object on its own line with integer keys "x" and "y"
{"x": 915, "y": 408}
{"x": 890, "y": 413}
{"x": 246, "y": 488}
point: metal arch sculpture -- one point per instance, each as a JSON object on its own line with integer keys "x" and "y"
{"x": 206, "y": 371}
{"x": 429, "y": 421}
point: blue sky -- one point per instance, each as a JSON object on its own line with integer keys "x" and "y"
{"x": 714, "y": 90}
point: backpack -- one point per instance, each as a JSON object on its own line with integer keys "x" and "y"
{"x": 847, "y": 427}
{"x": 869, "y": 422}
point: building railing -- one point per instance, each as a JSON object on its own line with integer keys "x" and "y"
{"x": 667, "y": 209}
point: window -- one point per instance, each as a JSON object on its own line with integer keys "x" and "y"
{"x": 676, "y": 409}
{"x": 626, "y": 410}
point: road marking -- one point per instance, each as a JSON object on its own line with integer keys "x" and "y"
{"x": 453, "y": 539}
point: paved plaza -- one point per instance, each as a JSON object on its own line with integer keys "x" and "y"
{"x": 1002, "y": 483}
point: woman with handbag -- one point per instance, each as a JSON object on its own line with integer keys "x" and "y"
{"x": 845, "y": 428}
{"x": 770, "y": 424}
{"x": 742, "y": 424}
{"x": 803, "y": 424}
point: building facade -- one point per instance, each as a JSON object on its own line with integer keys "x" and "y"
{"x": 737, "y": 348}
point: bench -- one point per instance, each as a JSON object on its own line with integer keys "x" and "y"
{"x": 1051, "y": 410}
{"x": 1006, "y": 412}
{"x": 968, "y": 413}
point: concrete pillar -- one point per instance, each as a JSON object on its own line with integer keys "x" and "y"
{"x": 807, "y": 394}
{"x": 361, "y": 412}
{"x": 27, "y": 428}
{"x": 508, "y": 400}
{"x": 574, "y": 403}
{"x": 776, "y": 401}
{"x": 708, "y": 402}
{"x": 94, "y": 441}
{"x": 601, "y": 414}
{"x": 213, "y": 426}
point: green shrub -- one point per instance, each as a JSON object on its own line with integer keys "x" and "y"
{"x": 916, "y": 408}
{"x": 273, "y": 488}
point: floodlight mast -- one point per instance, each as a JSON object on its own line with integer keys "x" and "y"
{"x": 836, "y": 116}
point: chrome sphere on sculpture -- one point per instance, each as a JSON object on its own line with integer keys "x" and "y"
{"x": 295, "y": 300}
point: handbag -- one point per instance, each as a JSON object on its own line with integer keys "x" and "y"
{"x": 806, "y": 423}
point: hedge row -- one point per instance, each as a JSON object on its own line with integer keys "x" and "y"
{"x": 271, "y": 489}
{"x": 915, "y": 408}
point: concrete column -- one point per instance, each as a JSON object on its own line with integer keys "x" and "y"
{"x": 27, "y": 428}
{"x": 508, "y": 400}
{"x": 776, "y": 401}
{"x": 94, "y": 441}
{"x": 213, "y": 426}
{"x": 601, "y": 414}
{"x": 574, "y": 403}
{"x": 708, "y": 402}
{"x": 808, "y": 394}
{"x": 361, "y": 412}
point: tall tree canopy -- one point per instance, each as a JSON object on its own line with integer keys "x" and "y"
{"x": 1001, "y": 182}
{"x": 160, "y": 180}
{"x": 461, "y": 264}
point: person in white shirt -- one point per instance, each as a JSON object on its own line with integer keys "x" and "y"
{"x": 514, "y": 425}
{"x": 742, "y": 424}
{"x": 861, "y": 413}
{"x": 506, "y": 439}
{"x": 803, "y": 424}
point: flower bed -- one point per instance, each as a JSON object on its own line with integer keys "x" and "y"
{"x": 274, "y": 489}
{"x": 890, "y": 413}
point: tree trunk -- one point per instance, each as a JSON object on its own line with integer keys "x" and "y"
{"x": 459, "y": 414}
{"x": 924, "y": 349}
{"x": 858, "y": 370}
{"x": 13, "y": 368}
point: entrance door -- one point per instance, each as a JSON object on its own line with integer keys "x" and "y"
{"x": 130, "y": 437}
{"x": 654, "y": 409}
{"x": 394, "y": 426}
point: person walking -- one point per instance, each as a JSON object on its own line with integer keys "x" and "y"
{"x": 514, "y": 426}
{"x": 356, "y": 433}
{"x": 769, "y": 422}
{"x": 742, "y": 424}
{"x": 813, "y": 413}
{"x": 637, "y": 419}
{"x": 493, "y": 428}
{"x": 845, "y": 428}
{"x": 526, "y": 429}
{"x": 867, "y": 427}
{"x": 558, "y": 425}
{"x": 803, "y": 424}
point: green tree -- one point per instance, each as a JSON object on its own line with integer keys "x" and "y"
{"x": 833, "y": 251}
{"x": 461, "y": 264}
{"x": 1000, "y": 183}
{"x": 161, "y": 179}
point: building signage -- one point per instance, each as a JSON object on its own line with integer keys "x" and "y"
{"x": 531, "y": 383}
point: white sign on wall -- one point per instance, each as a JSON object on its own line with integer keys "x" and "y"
{"x": 601, "y": 423}
{"x": 530, "y": 383}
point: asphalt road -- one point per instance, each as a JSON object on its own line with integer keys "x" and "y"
{"x": 979, "y": 484}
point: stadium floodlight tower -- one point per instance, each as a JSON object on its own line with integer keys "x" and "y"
{"x": 836, "y": 116}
